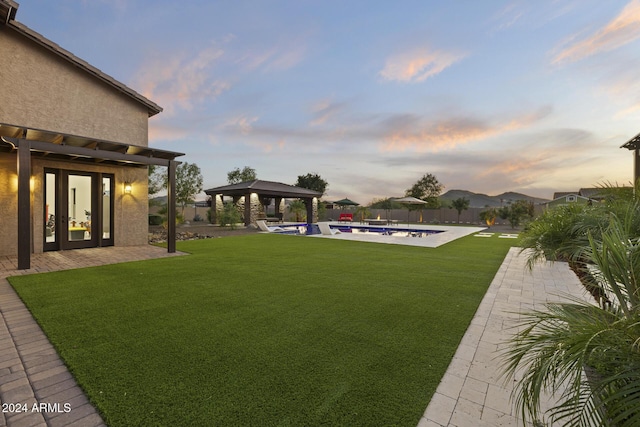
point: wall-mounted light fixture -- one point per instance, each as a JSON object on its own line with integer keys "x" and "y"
{"x": 127, "y": 188}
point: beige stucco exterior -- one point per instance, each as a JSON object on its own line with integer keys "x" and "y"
{"x": 48, "y": 89}
{"x": 8, "y": 205}
{"x": 41, "y": 90}
{"x": 130, "y": 210}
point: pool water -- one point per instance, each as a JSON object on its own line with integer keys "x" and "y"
{"x": 387, "y": 231}
{"x": 361, "y": 229}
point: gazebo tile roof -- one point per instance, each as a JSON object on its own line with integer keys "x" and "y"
{"x": 263, "y": 188}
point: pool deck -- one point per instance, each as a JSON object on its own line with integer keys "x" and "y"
{"x": 450, "y": 233}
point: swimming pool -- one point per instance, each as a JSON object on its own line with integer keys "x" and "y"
{"x": 427, "y": 235}
{"x": 360, "y": 229}
{"x": 386, "y": 231}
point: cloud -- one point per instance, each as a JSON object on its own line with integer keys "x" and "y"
{"x": 634, "y": 109}
{"x": 164, "y": 132}
{"x": 240, "y": 124}
{"x": 508, "y": 16}
{"x": 623, "y": 29}
{"x": 325, "y": 110}
{"x": 182, "y": 81}
{"x": 418, "y": 65}
{"x": 278, "y": 58}
{"x": 409, "y": 132}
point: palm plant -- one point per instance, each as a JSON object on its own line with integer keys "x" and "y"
{"x": 555, "y": 346}
{"x": 561, "y": 234}
{"x": 298, "y": 208}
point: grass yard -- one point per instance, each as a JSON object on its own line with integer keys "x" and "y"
{"x": 266, "y": 330}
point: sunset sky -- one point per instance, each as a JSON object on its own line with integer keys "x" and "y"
{"x": 489, "y": 96}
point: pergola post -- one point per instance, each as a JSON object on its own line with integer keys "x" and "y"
{"x": 171, "y": 207}
{"x": 24, "y": 205}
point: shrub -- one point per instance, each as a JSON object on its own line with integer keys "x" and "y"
{"x": 229, "y": 216}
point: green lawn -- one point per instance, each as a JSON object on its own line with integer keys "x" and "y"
{"x": 266, "y": 329}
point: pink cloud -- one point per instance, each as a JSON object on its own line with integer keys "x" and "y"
{"x": 276, "y": 58}
{"x": 417, "y": 135}
{"x": 418, "y": 65}
{"x": 623, "y": 29}
{"x": 183, "y": 81}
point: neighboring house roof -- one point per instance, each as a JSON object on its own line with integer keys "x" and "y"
{"x": 591, "y": 193}
{"x": 560, "y": 194}
{"x": 263, "y": 188}
{"x": 563, "y": 198}
{"x": 8, "y": 10}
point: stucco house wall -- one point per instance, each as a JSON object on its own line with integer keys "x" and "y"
{"x": 41, "y": 90}
{"x": 8, "y": 205}
{"x": 46, "y": 88}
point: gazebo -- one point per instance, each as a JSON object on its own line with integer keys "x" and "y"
{"x": 248, "y": 196}
{"x": 634, "y": 145}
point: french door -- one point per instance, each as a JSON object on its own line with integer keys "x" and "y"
{"x": 78, "y": 209}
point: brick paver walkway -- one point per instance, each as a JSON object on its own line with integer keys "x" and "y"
{"x": 31, "y": 372}
{"x": 472, "y": 393}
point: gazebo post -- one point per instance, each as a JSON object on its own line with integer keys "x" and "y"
{"x": 278, "y": 200}
{"x": 309, "y": 203}
{"x": 247, "y": 209}
{"x": 636, "y": 163}
{"x": 634, "y": 144}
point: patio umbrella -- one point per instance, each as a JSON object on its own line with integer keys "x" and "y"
{"x": 346, "y": 202}
{"x": 410, "y": 201}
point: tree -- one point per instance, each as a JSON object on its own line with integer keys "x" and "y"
{"x": 312, "y": 181}
{"x": 427, "y": 188}
{"x": 460, "y": 204}
{"x": 387, "y": 204}
{"x": 516, "y": 212}
{"x": 246, "y": 174}
{"x": 156, "y": 180}
{"x": 188, "y": 183}
{"x": 363, "y": 212}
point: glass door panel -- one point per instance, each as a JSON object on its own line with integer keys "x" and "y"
{"x": 80, "y": 206}
{"x": 106, "y": 207}
{"x": 78, "y": 209}
{"x": 50, "y": 218}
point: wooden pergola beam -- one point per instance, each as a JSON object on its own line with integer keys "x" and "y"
{"x": 24, "y": 148}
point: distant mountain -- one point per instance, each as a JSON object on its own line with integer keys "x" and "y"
{"x": 478, "y": 200}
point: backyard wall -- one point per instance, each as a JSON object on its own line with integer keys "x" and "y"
{"x": 429, "y": 216}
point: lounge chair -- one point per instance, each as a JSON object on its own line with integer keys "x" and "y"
{"x": 326, "y": 230}
{"x": 262, "y": 225}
